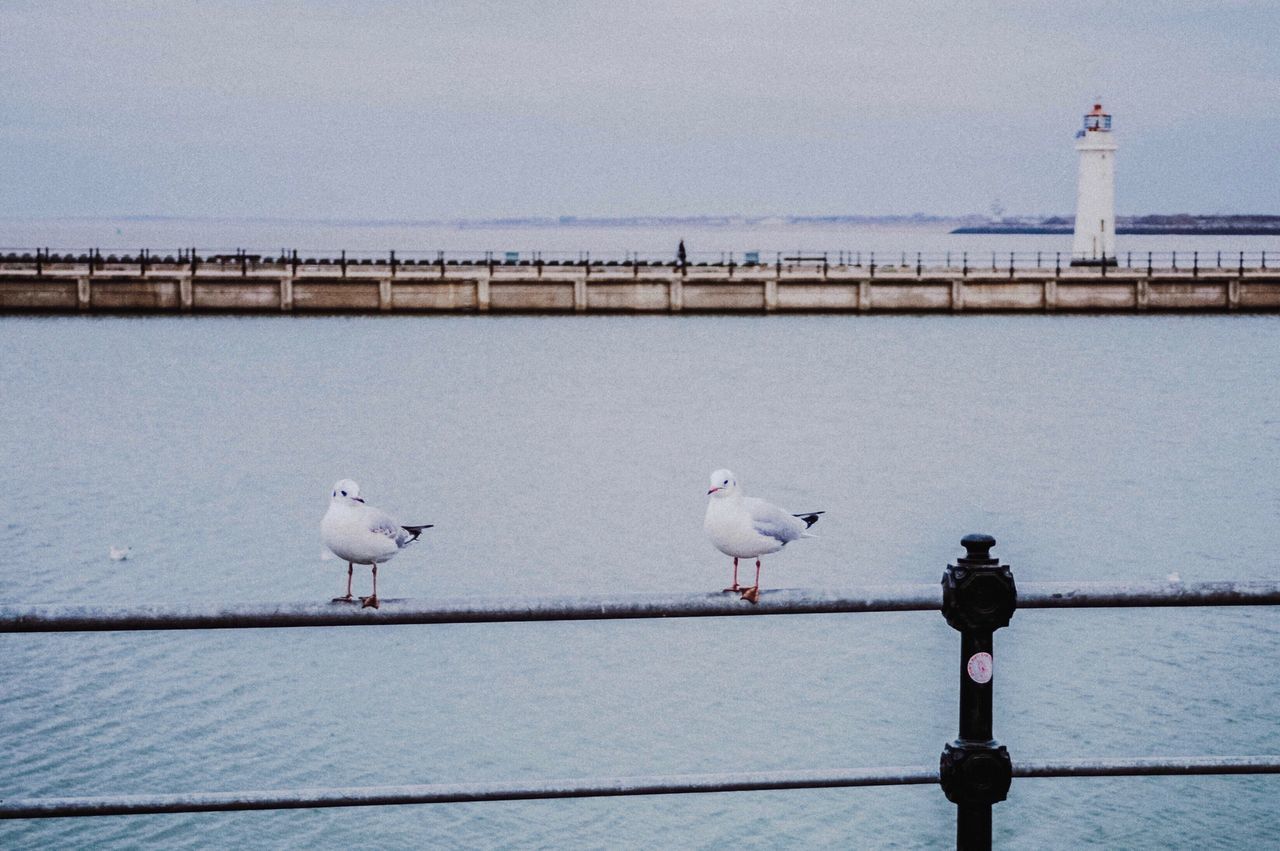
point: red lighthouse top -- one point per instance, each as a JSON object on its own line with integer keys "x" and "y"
{"x": 1097, "y": 121}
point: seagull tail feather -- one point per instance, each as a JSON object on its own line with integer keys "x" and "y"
{"x": 415, "y": 531}
{"x": 810, "y": 518}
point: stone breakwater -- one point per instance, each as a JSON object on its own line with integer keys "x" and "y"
{"x": 283, "y": 287}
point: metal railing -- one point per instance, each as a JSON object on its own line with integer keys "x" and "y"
{"x": 977, "y": 596}
{"x": 869, "y": 598}
{"x": 901, "y": 262}
{"x": 679, "y": 784}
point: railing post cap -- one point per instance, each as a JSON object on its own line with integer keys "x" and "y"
{"x": 978, "y": 592}
{"x": 977, "y": 548}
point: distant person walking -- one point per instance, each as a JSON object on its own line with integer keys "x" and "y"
{"x": 682, "y": 259}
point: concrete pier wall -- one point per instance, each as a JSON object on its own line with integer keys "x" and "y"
{"x": 282, "y": 288}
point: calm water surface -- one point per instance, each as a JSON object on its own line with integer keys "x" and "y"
{"x": 562, "y": 455}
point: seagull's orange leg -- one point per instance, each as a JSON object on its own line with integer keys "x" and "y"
{"x": 752, "y": 594}
{"x": 736, "y": 586}
{"x": 347, "y": 599}
{"x": 371, "y": 600}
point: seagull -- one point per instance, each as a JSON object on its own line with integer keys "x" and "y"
{"x": 120, "y": 553}
{"x": 362, "y": 534}
{"x": 746, "y": 527}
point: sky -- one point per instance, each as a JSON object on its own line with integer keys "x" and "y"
{"x": 423, "y": 110}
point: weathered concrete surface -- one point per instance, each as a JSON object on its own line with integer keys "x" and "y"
{"x": 311, "y": 294}
{"x": 1186, "y": 295}
{"x": 434, "y": 295}
{"x": 372, "y": 288}
{"x": 723, "y": 295}
{"x": 221, "y": 296}
{"x": 536, "y": 295}
{"x": 38, "y": 294}
{"x": 817, "y": 295}
{"x": 1004, "y": 295}
{"x": 1260, "y": 295}
{"x": 1108, "y": 295}
{"x": 638, "y": 295}
{"x": 142, "y": 294}
{"x": 909, "y": 296}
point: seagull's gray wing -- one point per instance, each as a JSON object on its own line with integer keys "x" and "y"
{"x": 382, "y": 523}
{"x": 772, "y": 522}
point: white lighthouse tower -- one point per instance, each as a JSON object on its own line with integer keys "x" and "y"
{"x": 1095, "y": 235}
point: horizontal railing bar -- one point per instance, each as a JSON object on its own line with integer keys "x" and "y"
{"x": 57, "y": 618}
{"x": 870, "y": 598}
{"x": 370, "y": 796}
{"x": 1078, "y": 595}
{"x": 1148, "y": 766}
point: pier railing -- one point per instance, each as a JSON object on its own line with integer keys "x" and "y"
{"x": 977, "y": 596}
{"x": 963, "y": 263}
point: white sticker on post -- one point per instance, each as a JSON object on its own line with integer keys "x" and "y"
{"x": 980, "y": 668}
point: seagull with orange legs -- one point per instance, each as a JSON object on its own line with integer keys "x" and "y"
{"x": 745, "y": 527}
{"x": 361, "y": 534}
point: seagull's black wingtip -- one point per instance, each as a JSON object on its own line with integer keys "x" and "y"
{"x": 415, "y": 531}
{"x": 810, "y": 518}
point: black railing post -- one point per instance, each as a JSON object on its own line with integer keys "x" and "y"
{"x": 978, "y": 597}
{"x": 918, "y": 264}
{"x": 1241, "y": 272}
{"x": 1010, "y": 265}
{"x": 1148, "y": 264}
{"x": 964, "y": 272}
{"x": 343, "y": 262}
{"x": 872, "y": 265}
{"x": 1195, "y": 264}
{"x": 393, "y": 263}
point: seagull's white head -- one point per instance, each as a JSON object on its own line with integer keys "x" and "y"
{"x": 723, "y": 484}
{"x": 345, "y": 490}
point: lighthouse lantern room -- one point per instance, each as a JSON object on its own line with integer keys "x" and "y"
{"x": 1095, "y": 232}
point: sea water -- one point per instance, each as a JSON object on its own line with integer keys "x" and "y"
{"x": 563, "y": 455}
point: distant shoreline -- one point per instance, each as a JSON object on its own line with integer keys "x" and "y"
{"x": 1180, "y": 224}
{"x": 1131, "y": 230}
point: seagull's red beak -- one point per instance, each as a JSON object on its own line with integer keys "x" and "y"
{"x": 713, "y": 490}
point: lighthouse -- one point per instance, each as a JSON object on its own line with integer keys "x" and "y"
{"x": 1095, "y": 235}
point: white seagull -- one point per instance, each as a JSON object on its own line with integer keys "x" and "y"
{"x": 362, "y": 534}
{"x": 746, "y": 527}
